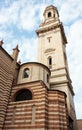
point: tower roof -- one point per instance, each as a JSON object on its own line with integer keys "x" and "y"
{"x": 51, "y": 7}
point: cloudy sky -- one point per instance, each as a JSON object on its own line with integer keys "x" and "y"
{"x": 20, "y": 18}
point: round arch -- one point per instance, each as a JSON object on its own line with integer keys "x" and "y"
{"x": 23, "y": 94}
{"x": 26, "y": 73}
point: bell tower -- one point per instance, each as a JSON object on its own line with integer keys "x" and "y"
{"x": 52, "y": 45}
{"x": 52, "y": 53}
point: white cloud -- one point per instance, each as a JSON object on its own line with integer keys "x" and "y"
{"x": 21, "y": 14}
{"x": 27, "y": 19}
{"x": 70, "y": 11}
{"x": 74, "y": 50}
{"x": 28, "y": 49}
{"x": 6, "y": 36}
{"x": 9, "y": 15}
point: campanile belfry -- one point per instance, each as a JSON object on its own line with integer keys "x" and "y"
{"x": 52, "y": 45}
{"x": 52, "y": 53}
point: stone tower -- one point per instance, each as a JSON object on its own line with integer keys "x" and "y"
{"x": 52, "y": 53}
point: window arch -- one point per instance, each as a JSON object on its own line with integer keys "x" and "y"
{"x": 26, "y": 73}
{"x": 23, "y": 94}
{"x": 49, "y": 14}
{"x": 50, "y": 62}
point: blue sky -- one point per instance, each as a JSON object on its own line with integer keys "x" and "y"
{"x": 20, "y": 18}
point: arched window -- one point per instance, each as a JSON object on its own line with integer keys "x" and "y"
{"x": 49, "y": 14}
{"x": 26, "y": 73}
{"x": 23, "y": 94}
{"x": 50, "y": 62}
{"x": 47, "y": 78}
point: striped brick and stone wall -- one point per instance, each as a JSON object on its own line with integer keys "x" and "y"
{"x": 57, "y": 110}
{"x": 46, "y": 110}
{"x": 7, "y": 69}
{"x": 5, "y": 83}
{"x": 28, "y": 114}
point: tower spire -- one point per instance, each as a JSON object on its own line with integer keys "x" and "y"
{"x": 1, "y": 42}
{"x": 15, "y": 52}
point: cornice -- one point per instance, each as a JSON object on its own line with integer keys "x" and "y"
{"x": 52, "y": 27}
{"x": 42, "y": 30}
{"x": 63, "y": 82}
